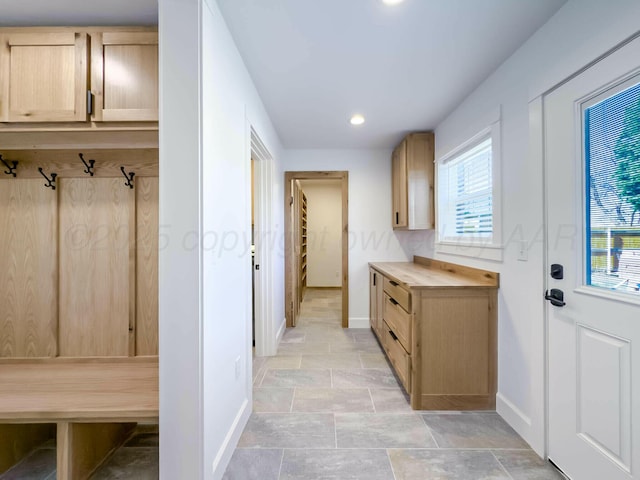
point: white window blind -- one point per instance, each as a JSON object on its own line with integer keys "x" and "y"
{"x": 466, "y": 194}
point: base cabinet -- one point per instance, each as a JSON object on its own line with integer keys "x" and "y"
{"x": 438, "y": 330}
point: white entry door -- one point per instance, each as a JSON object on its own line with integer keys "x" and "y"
{"x": 592, "y": 161}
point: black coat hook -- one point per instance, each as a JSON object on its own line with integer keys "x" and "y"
{"x": 12, "y": 169}
{"x": 89, "y": 165}
{"x": 129, "y": 177}
{"x": 51, "y": 181}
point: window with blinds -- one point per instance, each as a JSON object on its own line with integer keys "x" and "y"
{"x": 612, "y": 180}
{"x": 465, "y": 206}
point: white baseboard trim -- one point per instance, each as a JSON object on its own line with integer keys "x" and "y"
{"x": 515, "y": 417}
{"x": 359, "y": 322}
{"x": 231, "y": 441}
{"x": 283, "y": 327}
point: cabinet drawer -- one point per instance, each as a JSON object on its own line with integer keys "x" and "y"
{"x": 400, "y": 359}
{"x": 399, "y": 294}
{"x": 398, "y": 320}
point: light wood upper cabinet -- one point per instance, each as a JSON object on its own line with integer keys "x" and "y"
{"x": 124, "y": 76}
{"x": 43, "y": 77}
{"x": 412, "y": 183}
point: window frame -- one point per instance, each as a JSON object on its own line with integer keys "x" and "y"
{"x": 485, "y": 247}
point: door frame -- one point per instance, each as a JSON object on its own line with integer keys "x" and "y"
{"x": 266, "y": 332}
{"x": 289, "y": 259}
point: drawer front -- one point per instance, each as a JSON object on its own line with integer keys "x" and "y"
{"x": 399, "y": 294}
{"x": 400, "y": 359}
{"x": 398, "y": 320}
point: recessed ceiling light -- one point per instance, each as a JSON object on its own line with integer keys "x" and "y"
{"x": 392, "y": 2}
{"x": 357, "y": 119}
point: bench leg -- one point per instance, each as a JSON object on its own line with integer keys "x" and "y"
{"x": 82, "y": 447}
{"x": 18, "y": 440}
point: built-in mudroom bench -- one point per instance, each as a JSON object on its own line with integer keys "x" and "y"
{"x": 437, "y": 323}
{"x": 79, "y": 183}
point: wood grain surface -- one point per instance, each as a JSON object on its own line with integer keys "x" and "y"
{"x": 94, "y": 267}
{"x": 146, "y": 300}
{"x": 109, "y": 390}
{"x": 28, "y": 269}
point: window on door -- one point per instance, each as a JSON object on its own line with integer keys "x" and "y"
{"x": 612, "y": 161}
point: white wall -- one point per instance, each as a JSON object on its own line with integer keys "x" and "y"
{"x": 208, "y": 105}
{"x": 324, "y": 232}
{"x": 371, "y": 237}
{"x": 580, "y": 32}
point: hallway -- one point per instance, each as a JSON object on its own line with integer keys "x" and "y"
{"x": 329, "y": 407}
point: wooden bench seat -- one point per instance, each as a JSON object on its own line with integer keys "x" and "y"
{"x": 82, "y": 401}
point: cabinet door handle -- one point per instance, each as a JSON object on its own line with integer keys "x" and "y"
{"x": 397, "y": 218}
{"x": 395, "y": 284}
{"x": 392, "y": 301}
{"x": 393, "y": 335}
{"x": 374, "y": 279}
{"x": 89, "y": 103}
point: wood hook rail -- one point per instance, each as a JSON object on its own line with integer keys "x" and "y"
{"x": 128, "y": 176}
{"x": 89, "y": 165}
{"x": 12, "y": 169}
{"x": 51, "y": 181}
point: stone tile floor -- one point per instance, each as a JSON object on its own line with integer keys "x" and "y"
{"x": 328, "y": 407}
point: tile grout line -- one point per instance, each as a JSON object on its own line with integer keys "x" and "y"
{"x": 281, "y": 462}
{"x": 393, "y": 472}
{"x": 501, "y": 465}
{"x": 372, "y": 402}
{"x": 292, "y": 399}
{"x": 430, "y": 432}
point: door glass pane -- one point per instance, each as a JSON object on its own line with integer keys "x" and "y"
{"x": 612, "y": 165}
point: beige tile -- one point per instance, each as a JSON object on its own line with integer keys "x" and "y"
{"x": 332, "y": 400}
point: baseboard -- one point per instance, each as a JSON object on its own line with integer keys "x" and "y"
{"x": 231, "y": 441}
{"x": 283, "y": 327}
{"x": 359, "y": 322}
{"x": 515, "y": 417}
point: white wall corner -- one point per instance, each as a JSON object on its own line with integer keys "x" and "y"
{"x": 231, "y": 441}
{"x": 355, "y": 322}
{"x": 281, "y": 330}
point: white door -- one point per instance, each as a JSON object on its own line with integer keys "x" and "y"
{"x": 592, "y": 161}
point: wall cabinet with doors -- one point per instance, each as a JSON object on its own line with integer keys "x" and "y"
{"x": 412, "y": 172}
{"x": 437, "y": 325}
{"x": 65, "y": 74}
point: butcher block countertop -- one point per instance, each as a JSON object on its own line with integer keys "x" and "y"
{"x": 425, "y": 273}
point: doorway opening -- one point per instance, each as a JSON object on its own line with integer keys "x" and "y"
{"x": 264, "y": 333}
{"x": 316, "y": 240}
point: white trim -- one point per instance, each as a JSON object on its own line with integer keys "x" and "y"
{"x": 606, "y": 294}
{"x": 281, "y": 330}
{"x": 231, "y": 440}
{"x": 485, "y": 251}
{"x": 266, "y": 337}
{"x": 516, "y": 418}
{"x": 357, "y": 322}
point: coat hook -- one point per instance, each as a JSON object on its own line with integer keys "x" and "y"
{"x": 129, "y": 177}
{"x": 89, "y": 166}
{"x": 51, "y": 180}
{"x": 12, "y": 169}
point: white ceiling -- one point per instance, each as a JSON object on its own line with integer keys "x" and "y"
{"x": 317, "y": 62}
{"x": 78, "y": 12}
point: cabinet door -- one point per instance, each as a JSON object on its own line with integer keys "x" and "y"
{"x": 124, "y": 76}
{"x": 43, "y": 77}
{"x": 399, "y": 186}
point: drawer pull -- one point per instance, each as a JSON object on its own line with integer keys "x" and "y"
{"x": 393, "y": 335}
{"x": 392, "y": 301}
{"x": 395, "y": 284}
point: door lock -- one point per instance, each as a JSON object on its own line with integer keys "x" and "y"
{"x": 557, "y": 271}
{"x": 555, "y": 296}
